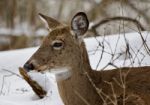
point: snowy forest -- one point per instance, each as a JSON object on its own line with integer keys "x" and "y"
{"x": 116, "y": 37}
{"x": 21, "y": 27}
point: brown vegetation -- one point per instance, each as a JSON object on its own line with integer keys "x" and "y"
{"x": 35, "y": 86}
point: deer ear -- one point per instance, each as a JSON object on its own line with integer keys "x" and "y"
{"x": 49, "y": 22}
{"x": 80, "y": 24}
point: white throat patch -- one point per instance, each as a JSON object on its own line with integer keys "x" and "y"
{"x": 61, "y": 73}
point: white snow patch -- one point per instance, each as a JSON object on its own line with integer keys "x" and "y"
{"x": 44, "y": 79}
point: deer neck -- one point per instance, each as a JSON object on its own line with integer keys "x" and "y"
{"x": 82, "y": 66}
{"x": 78, "y": 86}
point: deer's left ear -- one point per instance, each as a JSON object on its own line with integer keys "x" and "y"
{"x": 79, "y": 24}
{"x": 50, "y": 23}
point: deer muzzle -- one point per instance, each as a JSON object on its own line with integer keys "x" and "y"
{"x": 28, "y": 67}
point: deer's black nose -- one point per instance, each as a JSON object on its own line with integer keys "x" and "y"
{"x": 28, "y": 67}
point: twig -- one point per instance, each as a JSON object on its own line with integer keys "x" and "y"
{"x": 137, "y": 23}
{"x": 1, "y": 92}
{"x": 12, "y": 73}
{"x": 82, "y": 98}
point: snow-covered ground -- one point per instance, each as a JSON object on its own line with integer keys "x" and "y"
{"x": 15, "y": 91}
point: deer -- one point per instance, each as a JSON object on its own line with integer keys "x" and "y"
{"x": 63, "y": 52}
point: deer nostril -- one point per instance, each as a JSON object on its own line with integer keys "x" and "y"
{"x": 28, "y": 66}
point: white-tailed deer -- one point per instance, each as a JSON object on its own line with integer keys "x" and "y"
{"x": 63, "y": 51}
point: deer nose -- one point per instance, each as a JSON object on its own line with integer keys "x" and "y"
{"x": 28, "y": 67}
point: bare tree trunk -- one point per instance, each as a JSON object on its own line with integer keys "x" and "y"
{"x": 10, "y": 12}
{"x": 61, "y": 5}
{"x": 99, "y": 9}
{"x": 31, "y": 12}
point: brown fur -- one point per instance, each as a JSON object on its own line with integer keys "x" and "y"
{"x": 78, "y": 89}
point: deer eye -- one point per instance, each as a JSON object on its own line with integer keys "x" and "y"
{"x": 57, "y": 44}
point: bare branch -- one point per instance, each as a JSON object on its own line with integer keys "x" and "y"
{"x": 137, "y": 23}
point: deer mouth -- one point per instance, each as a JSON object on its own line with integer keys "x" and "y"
{"x": 41, "y": 68}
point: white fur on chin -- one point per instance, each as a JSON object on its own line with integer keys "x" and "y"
{"x": 62, "y": 73}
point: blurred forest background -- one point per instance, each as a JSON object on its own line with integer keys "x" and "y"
{"x": 21, "y": 27}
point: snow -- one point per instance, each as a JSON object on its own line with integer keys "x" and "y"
{"x": 43, "y": 79}
{"x": 15, "y": 91}
{"x": 116, "y": 44}
{"x": 41, "y": 32}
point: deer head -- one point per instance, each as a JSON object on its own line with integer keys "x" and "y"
{"x": 61, "y": 48}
